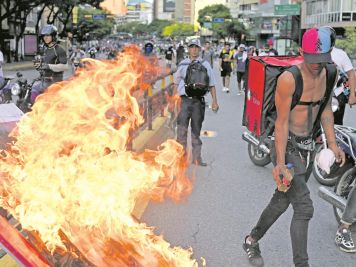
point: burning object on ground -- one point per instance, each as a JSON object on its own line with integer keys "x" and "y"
{"x": 71, "y": 182}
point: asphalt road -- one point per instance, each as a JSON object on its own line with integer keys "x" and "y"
{"x": 230, "y": 194}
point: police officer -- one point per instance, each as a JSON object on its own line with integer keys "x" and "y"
{"x": 192, "y": 109}
{"x": 53, "y": 62}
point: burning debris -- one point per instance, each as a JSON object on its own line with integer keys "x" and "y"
{"x": 71, "y": 182}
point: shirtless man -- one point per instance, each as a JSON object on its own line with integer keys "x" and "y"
{"x": 293, "y": 144}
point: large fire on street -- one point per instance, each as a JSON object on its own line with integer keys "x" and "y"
{"x": 68, "y": 170}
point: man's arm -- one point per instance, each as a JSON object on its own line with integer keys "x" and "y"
{"x": 62, "y": 58}
{"x": 283, "y": 100}
{"x": 352, "y": 83}
{"x": 327, "y": 121}
{"x": 214, "y": 105}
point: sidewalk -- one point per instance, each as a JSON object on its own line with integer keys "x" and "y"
{"x": 17, "y": 66}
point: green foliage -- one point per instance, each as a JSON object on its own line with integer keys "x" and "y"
{"x": 157, "y": 26}
{"x": 208, "y": 13}
{"x": 178, "y": 29}
{"x": 133, "y": 27}
{"x": 231, "y": 27}
{"x": 348, "y": 43}
{"x": 95, "y": 28}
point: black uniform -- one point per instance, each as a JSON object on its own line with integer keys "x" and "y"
{"x": 54, "y": 55}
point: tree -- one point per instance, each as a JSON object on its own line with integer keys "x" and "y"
{"x": 93, "y": 23}
{"x": 208, "y": 13}
{"x": 157, "y": 26}
{"x": 236, "y": 30}
{"x": 348, "y": 43}
{"x": 178, "y": 29}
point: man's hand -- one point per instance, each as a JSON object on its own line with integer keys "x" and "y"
{"x": 283, "y": 177}
{"x": 37, "y": 65}
{"x": 339, "y": 154}
{"x": 214, "y": 106}
{"x": 277, "y": 171}
{"x": 352, "y": 99}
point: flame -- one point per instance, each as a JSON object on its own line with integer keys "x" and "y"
{"x": 69, "y": 171}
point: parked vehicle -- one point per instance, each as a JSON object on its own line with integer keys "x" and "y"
{"x": 347, "y": 179}
{"x": 340, "y": 98}
{"x": 12, "y": 89}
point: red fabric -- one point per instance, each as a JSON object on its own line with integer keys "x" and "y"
{"x": 254, "y": 97}
{"x": 255, "y": 94}
{"x": 281, "y": 60}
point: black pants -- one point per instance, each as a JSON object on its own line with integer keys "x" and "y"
{"x": 339, "y": 114}
{"x": 299, "y": 196}
{"x": 191, "y": 110}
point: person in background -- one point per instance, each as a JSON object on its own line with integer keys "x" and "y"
{"x": 343, "y": 62}
{"x": 192, "y": 109}
{"x": 240, "y": 59}
{"x": 267, "y": 51}
{"x": 208, "y": 53}
{"x": 1, "y": 63}
{"x": 53, "y": 62}
{"x": 225, "y": 62}
{"x": 180, "y": 53}
{"x": 290, "y": 52}
{"x": 252, "y": 51}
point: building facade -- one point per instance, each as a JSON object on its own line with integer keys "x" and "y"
{"x": 184, "y": 11}
{"x": 139, "y": 10}
{"x": 164, "y": 9}
{"x": 335, "y": 13}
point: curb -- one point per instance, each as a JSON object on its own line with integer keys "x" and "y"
{"x": 150, "y": 139}
{"x": 18, "y": 66}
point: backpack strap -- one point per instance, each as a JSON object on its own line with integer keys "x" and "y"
{"x": 331, "y": 73}
{"x": 298, "y": 91}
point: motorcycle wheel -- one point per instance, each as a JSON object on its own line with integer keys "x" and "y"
{"x": 257, "y": 156}
{"x": 321, "y": 176}
{"x": 342, "y": 188}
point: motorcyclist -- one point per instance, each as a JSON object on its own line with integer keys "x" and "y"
{"x": 53, "y": 63}
{"x": 76, "y": 57}
{"x": 92, "y": 52}
{"x": 341, "y": 59}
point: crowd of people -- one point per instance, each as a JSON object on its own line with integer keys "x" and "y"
{"x": 194, "y": 79}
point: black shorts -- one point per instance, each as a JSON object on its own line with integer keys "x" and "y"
{"x": 240, "y": 76}
{"x": 225, "y": 72}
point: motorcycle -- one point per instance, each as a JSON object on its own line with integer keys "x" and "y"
{"x": 347, "y": 180}
{"x": 13, "y": 89}
{"x": 340, "y": 98}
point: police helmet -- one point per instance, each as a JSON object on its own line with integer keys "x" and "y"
{"x": 49, "y": 30}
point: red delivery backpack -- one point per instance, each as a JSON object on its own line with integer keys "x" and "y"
{"x": 262, "y": 75}
{"x": 263, "y": 72}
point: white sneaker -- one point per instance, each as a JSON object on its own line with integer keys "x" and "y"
{"x": 238, "y": 92}
{"x": 227, "y": 90}
{"x": 224, "y": 89}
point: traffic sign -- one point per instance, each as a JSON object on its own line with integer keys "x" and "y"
{"x": 99, "y": 16}
{"x": 293, "y": 9}
{"x": 219, "y": 20}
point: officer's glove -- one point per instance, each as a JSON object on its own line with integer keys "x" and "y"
{"x": 44, "y": 66}
{"x": 37, "y": 65}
